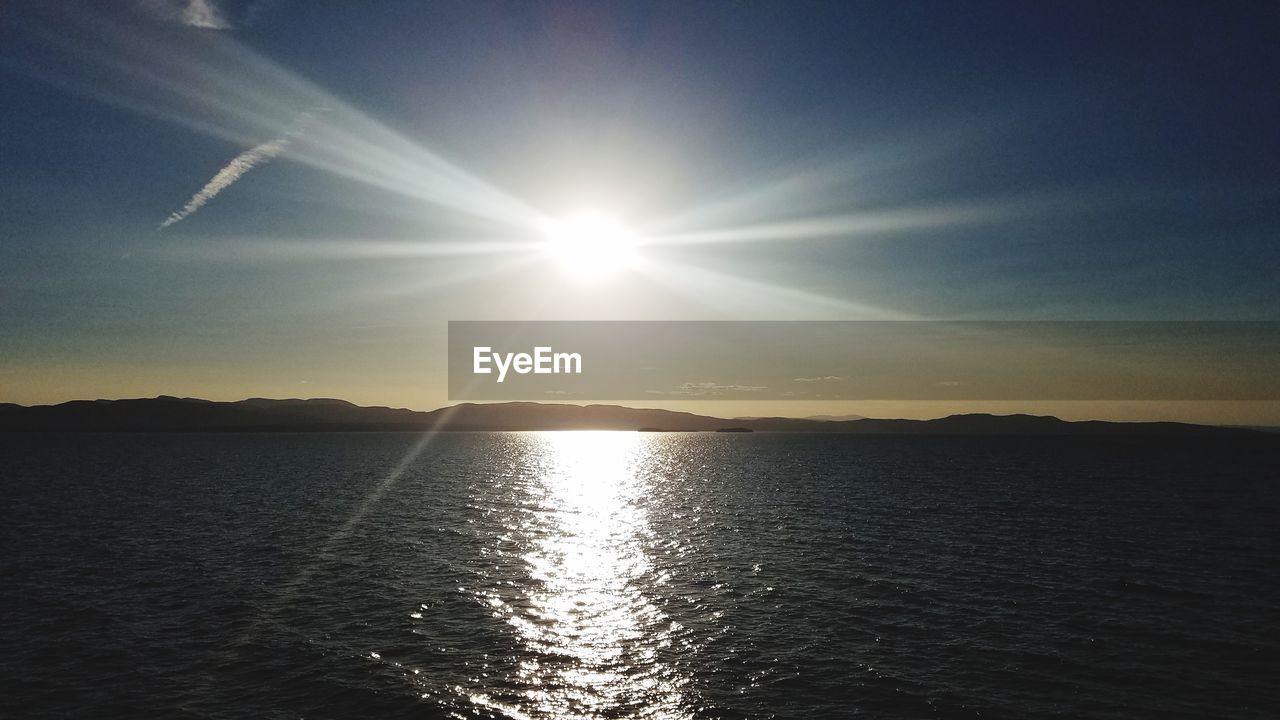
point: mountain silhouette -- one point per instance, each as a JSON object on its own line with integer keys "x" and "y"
{"x": 165, "y": 413}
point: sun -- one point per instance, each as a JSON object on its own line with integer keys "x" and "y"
{"x": 589, "y": 245}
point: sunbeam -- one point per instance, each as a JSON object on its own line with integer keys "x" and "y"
{"x": 221, "y": 88}
{"x": 740, "y": 297}
{"x": 848, "y": 226}
{"x": 294, "y": 250}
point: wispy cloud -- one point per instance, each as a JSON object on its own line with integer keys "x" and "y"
{"x": 204, "y": 14}
{"x": 824, "y": 378}
{"x": 194, "y": 13}
{"x": 243, "y": 163}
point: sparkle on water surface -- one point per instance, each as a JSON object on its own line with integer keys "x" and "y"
{"x": 582, "y": 615}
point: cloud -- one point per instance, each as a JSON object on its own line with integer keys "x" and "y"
{"x": 243, "y": 163}
{"x": 824, "y": 378}
{"x": 193, "y": 13}
{"x": 203, "y": 14}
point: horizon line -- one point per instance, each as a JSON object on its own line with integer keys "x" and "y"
{"x": 817, "y": 417}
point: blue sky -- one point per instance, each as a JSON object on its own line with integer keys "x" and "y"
{"x": 778, "y": 161}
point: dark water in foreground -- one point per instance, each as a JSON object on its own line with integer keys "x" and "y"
{"x": 621, "y": 575}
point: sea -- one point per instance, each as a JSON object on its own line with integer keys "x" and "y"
{"x": 637, "y": 575}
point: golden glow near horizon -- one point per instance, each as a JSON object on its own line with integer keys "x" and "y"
{"x": 589, "y": 245}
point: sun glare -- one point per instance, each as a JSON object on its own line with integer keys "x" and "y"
{"x": 590, "y": 245}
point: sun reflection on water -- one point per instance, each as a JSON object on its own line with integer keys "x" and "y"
{"x": 594, "y": 640}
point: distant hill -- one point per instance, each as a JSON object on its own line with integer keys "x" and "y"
{"x": 166, "y": 413}
{"x": 810, "y": 417}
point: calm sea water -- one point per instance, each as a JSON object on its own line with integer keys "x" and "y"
{"x": 619, "y": 575}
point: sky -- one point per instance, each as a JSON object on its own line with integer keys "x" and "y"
{"x": 287, "y": 199}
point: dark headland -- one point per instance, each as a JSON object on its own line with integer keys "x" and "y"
{"x": 171, "y": 414}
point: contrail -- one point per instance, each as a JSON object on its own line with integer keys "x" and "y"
{"x": 243, "y": 163}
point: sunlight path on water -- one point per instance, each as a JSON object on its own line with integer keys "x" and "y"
{"x": 595, "y": 639}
